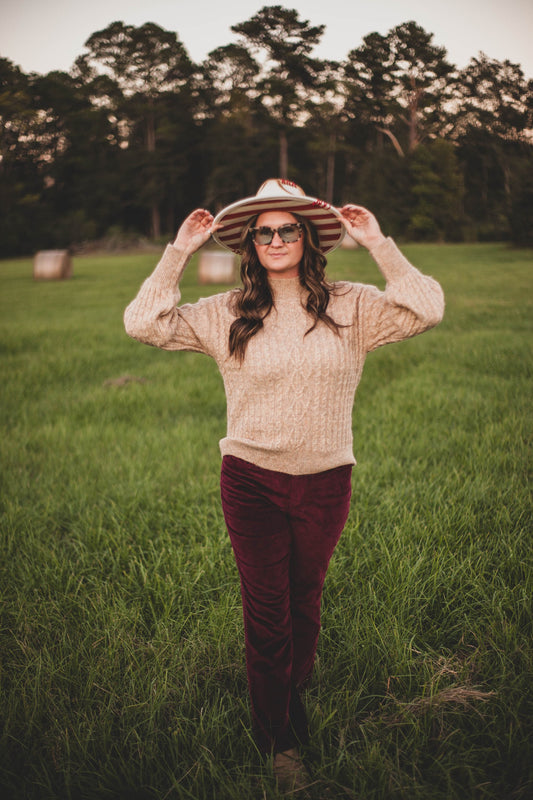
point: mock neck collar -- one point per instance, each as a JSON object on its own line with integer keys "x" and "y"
{"x": 286, "y": 288}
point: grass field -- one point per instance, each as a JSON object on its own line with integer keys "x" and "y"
{"x": 121, "y": 648}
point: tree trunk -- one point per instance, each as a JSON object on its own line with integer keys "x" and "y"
{"x": 507, "y": 178}
{"x": 330, "y": 167}
{"x": 150, "y": 147}
{"x": 283, "y": 154}
{"x": 156, "y": 221}
{"x": 150, "y": 132}
{"x": 396, "y": 144}
{"x": 413, "y": 122}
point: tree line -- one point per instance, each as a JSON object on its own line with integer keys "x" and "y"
{"x": 136, "y": 134}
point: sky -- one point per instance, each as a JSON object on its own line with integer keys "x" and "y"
{"x": 44, "y": 35}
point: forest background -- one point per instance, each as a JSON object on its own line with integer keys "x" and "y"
{"x": 136, "y": 134}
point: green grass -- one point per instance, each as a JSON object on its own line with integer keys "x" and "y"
{"x": 121, "y": 647}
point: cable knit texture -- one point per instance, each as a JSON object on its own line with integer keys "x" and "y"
{"x": 290, "y": 402}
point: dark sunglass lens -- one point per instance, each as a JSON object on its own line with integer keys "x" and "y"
{"x": 289, "y": 233}
{"x": 264, "y": 235}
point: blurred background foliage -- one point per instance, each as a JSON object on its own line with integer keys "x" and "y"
{"x": 136, "y": 135}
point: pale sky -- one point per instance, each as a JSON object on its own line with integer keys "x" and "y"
{"x": 43, "y": 35}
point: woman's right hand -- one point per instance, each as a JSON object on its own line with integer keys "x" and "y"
{"x": 195, "y": 230}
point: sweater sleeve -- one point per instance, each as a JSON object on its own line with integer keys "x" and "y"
{"x": 154, "y": 317}
{"x": 411, "y": 303}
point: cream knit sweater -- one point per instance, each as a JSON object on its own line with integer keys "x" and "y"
{"x": 289, "y": 405}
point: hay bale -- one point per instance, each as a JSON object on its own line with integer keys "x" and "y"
{"x": 52, "y": 265}
{"x": 217, "y": 266}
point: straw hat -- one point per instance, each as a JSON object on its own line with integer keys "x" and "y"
{"x": 278, "y": 194}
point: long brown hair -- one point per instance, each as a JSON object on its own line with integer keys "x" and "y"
{"x": 253, "y": 303}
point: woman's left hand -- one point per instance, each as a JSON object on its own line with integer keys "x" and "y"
{"x": 362, "y": 226}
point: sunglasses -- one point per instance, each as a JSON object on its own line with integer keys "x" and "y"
{"x": 287, "y": 233}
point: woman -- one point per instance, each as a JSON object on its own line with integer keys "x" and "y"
{"x": 290, "y": 347}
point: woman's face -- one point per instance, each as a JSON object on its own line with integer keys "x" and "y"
{"x": 280, "y": 259}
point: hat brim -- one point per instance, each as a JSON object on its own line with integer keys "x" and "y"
{"x": 326, "y": 219}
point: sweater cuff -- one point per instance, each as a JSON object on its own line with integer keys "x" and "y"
{"x": 392, "y": 263}
{"x": 171, "y": 267}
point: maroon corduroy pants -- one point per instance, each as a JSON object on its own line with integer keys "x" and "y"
{"x": 283, "y": 530}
